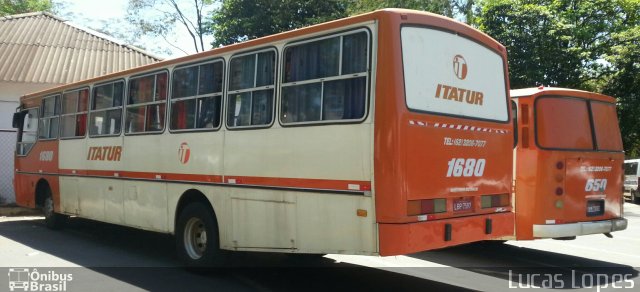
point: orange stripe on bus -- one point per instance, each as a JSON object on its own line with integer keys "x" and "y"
{"x": 325, "y": 184}
{"x": 301, "y": 183}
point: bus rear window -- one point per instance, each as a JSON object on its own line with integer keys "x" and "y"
{"x": 605, "y": 122}
{"x": 563, "y": 123}
{"x": 449, "y": 74}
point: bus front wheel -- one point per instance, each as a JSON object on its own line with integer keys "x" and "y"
{"x": 197, "y": 240}
{"x": 52, "y": 219}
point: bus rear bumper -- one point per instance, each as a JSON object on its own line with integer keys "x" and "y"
{"x": 580, "y": 228}
{"x": 405, "y": 238}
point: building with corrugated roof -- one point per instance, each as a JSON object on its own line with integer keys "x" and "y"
{"x": 38, "y": 51}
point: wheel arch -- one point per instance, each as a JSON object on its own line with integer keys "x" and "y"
{"x": 41, "y": 191}
{"x": 190, "y": 196}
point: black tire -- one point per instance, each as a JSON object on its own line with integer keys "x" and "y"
{"x": 197, "y": 240}
{"x": 52, "y": 219}
{"x": 634, "y": 197}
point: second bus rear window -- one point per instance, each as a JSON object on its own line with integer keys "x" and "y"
{"x": 564, "y": 123}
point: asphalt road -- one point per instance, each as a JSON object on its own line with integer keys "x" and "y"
{"x": 103, "y": 257}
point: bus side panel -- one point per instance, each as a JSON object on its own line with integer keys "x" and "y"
{"x": 73, "y": 160}
{"x": 103, "y": 157}
{"x": 41, "y": 163}
{"x": 526, "y": 199}
{"x": 253, "y": 219}
{"x": 328, "y": 152}
{"x": 145, "y": 200}
{"x": 389, "y": 86}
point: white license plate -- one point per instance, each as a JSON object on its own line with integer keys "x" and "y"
{"x": 461, "y": 205}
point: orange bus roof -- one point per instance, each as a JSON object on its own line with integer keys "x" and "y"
{"x": 539, "y": 91}
{"x": 434, "y": 19}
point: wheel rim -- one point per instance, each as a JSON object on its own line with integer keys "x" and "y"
{"x": 195, "y": 238}
{"x": 48, "y": 207}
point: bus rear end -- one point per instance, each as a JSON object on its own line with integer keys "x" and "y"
{"x": 442, "y": 131}
{"x": 569, "y": 174}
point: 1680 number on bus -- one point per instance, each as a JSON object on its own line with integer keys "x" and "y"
{"x": 466, "y": 167}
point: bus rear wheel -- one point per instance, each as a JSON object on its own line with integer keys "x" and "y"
{"x": 197, "y": 240}
{"x": 52, "y": 219}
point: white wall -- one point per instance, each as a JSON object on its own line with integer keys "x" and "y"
{"x": 10, "y": 94}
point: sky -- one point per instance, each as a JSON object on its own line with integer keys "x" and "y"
{"x": 95, "y": 14}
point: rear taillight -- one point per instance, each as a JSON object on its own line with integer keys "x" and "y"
{"x": 559, "y": 178}
{"x": 491, "y": 201}
{"x": 432, "y": 206}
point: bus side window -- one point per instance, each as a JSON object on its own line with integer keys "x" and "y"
{"x": 196, "y": 97}
{"x": 146, "y": 103}
{"x": 251, "y": 89}
{"x": 105, "y": 118}
{"x": 48, "y": 128}
{"x": 343, "y": 59}
{"x": 73, "y": 118}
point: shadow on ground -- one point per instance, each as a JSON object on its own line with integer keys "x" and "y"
{"x": 146, "y": 260}
{"x": 532, "y": 268}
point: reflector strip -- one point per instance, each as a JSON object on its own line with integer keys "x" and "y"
{"x": 458, "y": 127}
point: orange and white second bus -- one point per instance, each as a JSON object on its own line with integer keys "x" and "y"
{"x": 568, "y": 164}
{"x": 379, "y": 134}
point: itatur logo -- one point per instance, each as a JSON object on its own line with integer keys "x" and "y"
{"x": 184, "y": 153}
{"x": 460, "y": 67}
{"x": 24, "y": 279}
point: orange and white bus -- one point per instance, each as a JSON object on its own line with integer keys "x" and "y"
{"x": 379, "y": 134}
{"x": 568, "y": 164}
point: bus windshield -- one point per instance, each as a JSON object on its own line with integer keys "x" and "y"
{"x": 564, "y": 123}
{"x": 446, "y": 73}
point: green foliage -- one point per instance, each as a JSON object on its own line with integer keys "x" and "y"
{"x": 451, "y": 8}
{"x": 624, "y": 83}
{"x": 583, "y": 44}
{"x": 160, "y": 17}
{"x": 540, "y": 45}
{"x": 443, "y": 7}
{"x": 240, "y": 20}
{"x": 9, "y": 7}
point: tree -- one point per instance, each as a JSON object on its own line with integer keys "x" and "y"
{"x": 583, "y": 44}
{"x": 625, "y": 83}
{"x": 539, "y": 43}
{"x": 449, "y": 8}
{"x": 160, "y": 17}
{"x": 9, "y": 7}
{"x": 241, "y": 20}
